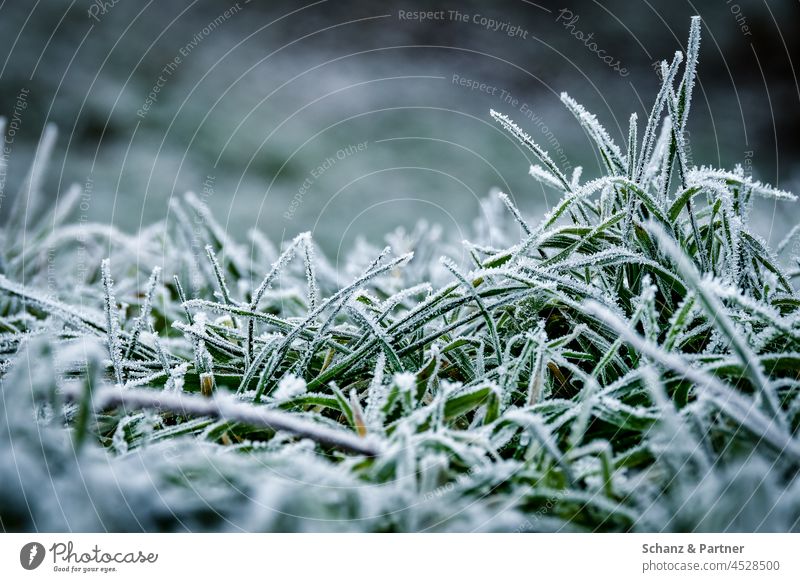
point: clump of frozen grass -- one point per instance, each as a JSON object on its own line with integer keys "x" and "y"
{"x": 633, "y": 363}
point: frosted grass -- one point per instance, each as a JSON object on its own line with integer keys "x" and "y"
{"x": 631, "y": 364}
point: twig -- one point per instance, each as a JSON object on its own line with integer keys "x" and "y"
{"x": 224, "y": 407}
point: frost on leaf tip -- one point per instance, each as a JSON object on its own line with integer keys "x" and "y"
{"x": 289, "y": 387}
{"x": 528, "y": 142}
{"x": 112, "y": 321}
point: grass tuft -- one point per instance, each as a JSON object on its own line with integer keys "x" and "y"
{"x": 633, "y": 363}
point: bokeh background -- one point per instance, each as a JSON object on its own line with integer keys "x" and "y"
{"x": 264, "y": 110}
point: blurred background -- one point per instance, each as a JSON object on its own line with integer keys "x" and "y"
{"x": 353, "y": 118}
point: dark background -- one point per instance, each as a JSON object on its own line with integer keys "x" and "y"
{"x": 278, "y": 87}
